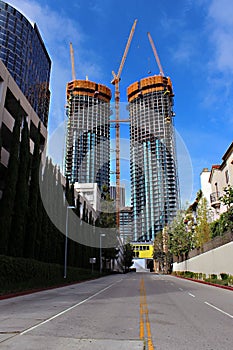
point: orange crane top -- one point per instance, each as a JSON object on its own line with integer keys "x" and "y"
{"x": 156, "y": 54}
{"x": 72, "y": 61}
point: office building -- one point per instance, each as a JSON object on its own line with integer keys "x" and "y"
{"x": 153, "y": 165}
{"x": 126, "y": 224}
{"x": 87, "y": 158}
{"x": 216, "y": 180}
{"x": 24, "y": 78}
{"x": 12, "y": 104}
{"x": 91, "y": 193}
{"x": 23, "y": 52}
{"x": 122, "y": 195}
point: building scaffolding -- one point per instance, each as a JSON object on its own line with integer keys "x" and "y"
{"x": 87, "y": 157}
{"x": 154, "y": 184}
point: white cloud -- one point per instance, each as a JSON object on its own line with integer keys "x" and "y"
{"x": 97, "y": 8}
{"x": 222, "y": 12}
{"x": 54, "y": 26}
{"x": 218, "y": 68}
{"x": 57, "y": 31}
{"x": 220, "y": 16}
{"x": 185, "y": 49}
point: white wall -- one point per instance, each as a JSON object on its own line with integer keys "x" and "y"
{"x": 214, "y": 261}
{"x": 205, "y": 185}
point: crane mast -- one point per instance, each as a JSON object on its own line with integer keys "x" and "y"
{"x": 115, "y": 82}
{"x": 156, "y": 55}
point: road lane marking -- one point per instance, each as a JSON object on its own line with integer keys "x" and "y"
{"x": 141, "y": 323}
{"x": 191, "y": 295}
{"x": 216, "y": 308}
{"x": 144, "y": 317}
{"x": 69, "y": 309}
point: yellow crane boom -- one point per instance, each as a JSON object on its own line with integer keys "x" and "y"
{"x": 72, "y": 61}
{"x": 156, "y": 54}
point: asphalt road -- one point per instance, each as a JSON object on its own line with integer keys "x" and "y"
{"x": 120, "y": 312}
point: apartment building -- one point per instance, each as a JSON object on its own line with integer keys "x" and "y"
{"x": 214, "y": 181}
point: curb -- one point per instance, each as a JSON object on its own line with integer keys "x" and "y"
{"x": 208, "y": 283}
{"x": 31, "y": 291}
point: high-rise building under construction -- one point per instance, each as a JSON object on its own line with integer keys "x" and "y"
{"x": 153, "y": 166}
{"x": 87, "y": 158}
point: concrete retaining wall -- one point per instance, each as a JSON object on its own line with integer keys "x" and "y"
{"x": 215, "y": 261}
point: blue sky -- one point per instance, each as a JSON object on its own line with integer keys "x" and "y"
{"x": 195, "y": 45}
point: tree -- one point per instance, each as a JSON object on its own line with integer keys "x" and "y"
{"x": 60, "y": 217}
{"x": 16, "y": 244}
{"x": 67, "y": 191}
{"x": 180, "y": 240}
{"x": 227, "y": 197}
{"x": 8, "y": 197}
{"x": 32, "y": 215}
{"x": 39, "y": 246}
{"x": 78, "y": 204}
{"x": 107, "y": 219}
{"x": 44, "y": 242}
{"x": 158, "y": 254}
{"x": 52, "y": 237}
{"x": 128, "y": 254}
{"x": 72, "y": 243}
{"x": 223, "y": 224}
{"x": 0, "y": 143}
{"x": 202, "y": 229}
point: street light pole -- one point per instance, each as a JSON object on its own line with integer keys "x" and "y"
{"x": 66, "y": 240}
{"x": 101, "y": 235}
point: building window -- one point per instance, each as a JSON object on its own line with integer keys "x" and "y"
{"x": 3, "y": 173}
{"x": 6, "y": 137}
{"x": 12, "y": 105}
{"x": 33, "y": 132}
{"x": 227, "y": 176}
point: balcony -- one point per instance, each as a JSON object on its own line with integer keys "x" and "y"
{"x": 214, "y": 199}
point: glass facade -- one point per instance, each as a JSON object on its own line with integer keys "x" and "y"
{"x": 126, "y": 215}
{"x": 154, "y": 179}
{"x": 122, "y": 195}
{"x": 24, "y": 54}
{"x": 87, "y": 157}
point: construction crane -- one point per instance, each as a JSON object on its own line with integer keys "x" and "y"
{"x": 115, "y": 82}
{"x": 156, "y": 55}
{"x": 72, "y": 61}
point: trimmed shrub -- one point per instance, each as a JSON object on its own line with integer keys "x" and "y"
{"x": 18, "y": 274}
{"x": 230, "y": 280}
{"x": 224, "y": 276}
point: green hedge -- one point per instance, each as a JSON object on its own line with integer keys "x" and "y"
{"x": 18, "y": 274}
{"x": 217, "y": 281}
{"x": 226, "y": 280}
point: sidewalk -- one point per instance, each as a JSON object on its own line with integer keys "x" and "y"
{"x": 204, "y": 282}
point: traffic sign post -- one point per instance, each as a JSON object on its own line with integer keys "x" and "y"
{"x": 92, "y": 261}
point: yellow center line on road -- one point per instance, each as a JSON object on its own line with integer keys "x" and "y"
{"x": 144, "y": 318}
